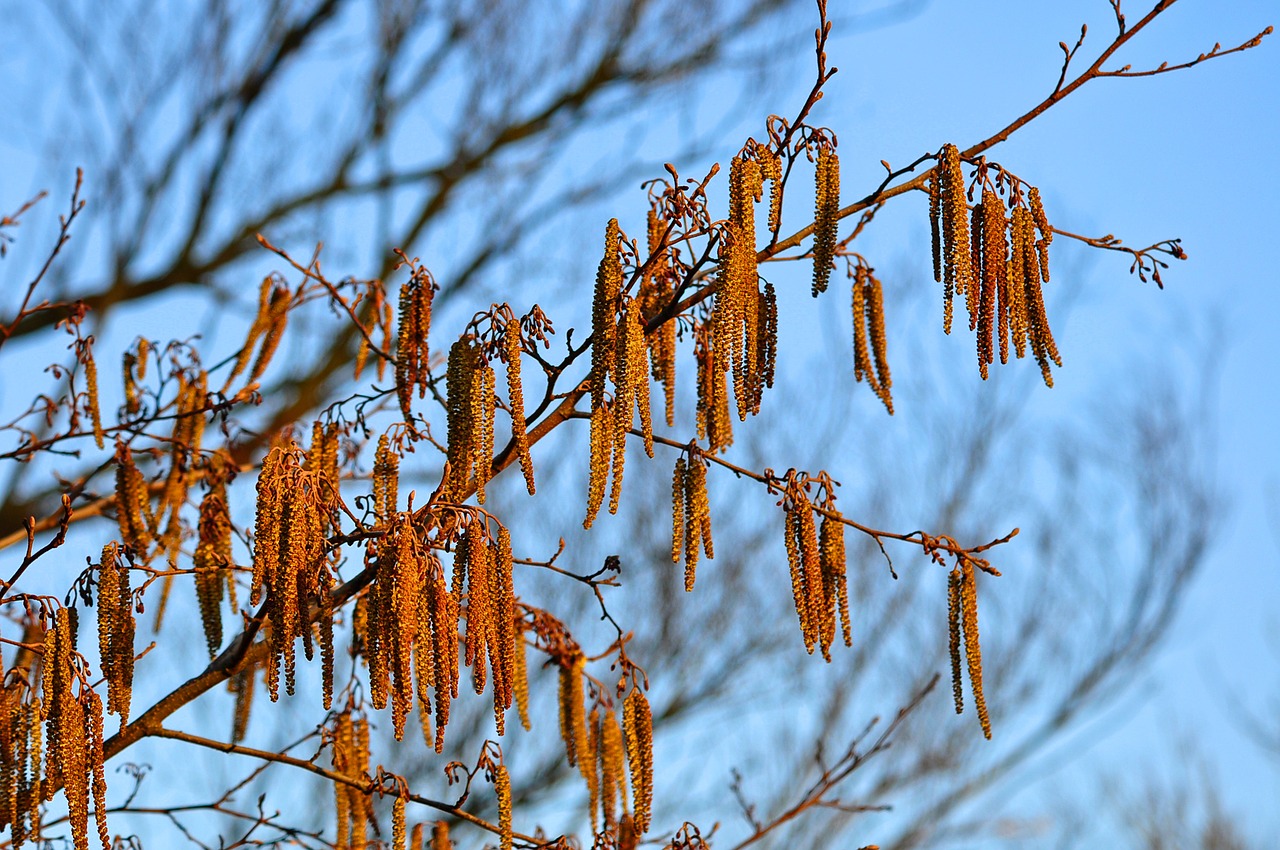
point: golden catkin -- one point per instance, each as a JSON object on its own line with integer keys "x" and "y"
{"x": 972, "y": 649}
{"x": 386, "y": 478}
{"x": 132, "y": 502}
{"x": 1020, "y": 235}
{"x": 1046, "y": 232}
{"x": 613, "y": 776}
{"x": 502, "y": 788}
{"x": 415, "y": 839}
{"x": 697, "y": 520}
{"x": 953, "y": 634}
{"x": 714, "y": 424}
{"x": 242, "y": 684}
{"x": 440, "y": 836}
{"x": 601, "y": 452}
{"x": 795, "y": 564}
{"x": 993, "y": 265}
{"x": 637, "y": 722}
{"x": 502, "y": 641}
{"x": 957, "y": 269}
{"x": 826, "y": 217}
{"x": 91, "y": 383}
{"x": 677, "y": 509}
{"x": 515, "y": 394}
{"x": 276, "y": 321}
{"x": 589, "y": 767}
{"x": 810, "y": 560}
{"x": 483, "y": 410}
{"x": 604, "y": 310}
{"x": 412, "y": 355}
{"x": 256, "y": 330}
{"x": 771, "y": 170}
{"x": 656, "y": 290}
{"x": 835, "y": 581}
{"x": 573, "y": 728}
{"x": 97, "y": 764}
{"x": 475, "y": 551}
{"x": 873, "y": 299}
{"x": 862, "y": 369}
{"x": 459, "y": 388}
{"x": 520, "y": 674}
{"x": 397, "y": 823}
{"x": 115, "y": 631}
{"x": 972, "y": 295}
{"x": 444, "y": 632}
{"x": 212, "y": 561}
{"x": 735, "y": 318}
{"x": 935, "y": 222}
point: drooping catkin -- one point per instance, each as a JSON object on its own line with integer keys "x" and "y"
{"x": 132, "y": 503}
{"x": 637, "y": 722}
{"x": 412, "y": 355}
{"x": 483, "y": 409}
{"x": 116, "y": 630}
{"x": 631, "y": 393}
{"x": 440, "y": 836}
{"x": 714, "y": 424}
{"x": 604, "y": 310}
{"x": 212, "y": 562}
{"x": 444, "y": 631}
{"x": 242, "y": 685}
{"x": 826, "y": 217}
{"x": 91, "y": 391}
{"x": 771, "y": 170}
{"x": 520, "y": 674}
{"x": 502, "y": 788}
{"x": 613, "y": 772}
{"x": 677, "y": 509}
{"x": 463, "y": 429}
{"x": 834, "y": 579}
{"x": 276, "y": 321}
{"x": 97, "y": 764}
{"x": 502, "y": 642}
{"x": 258, "y": 327}
{"x": 972, "y": 649}
{"x": 514, "y": 348}
{"x": 953, "y": 638}
{"x": 398, "y": 824}
{"x": 589, "y": 767}
{"x": 957, "y": 269}
{"x": 601, "y": 453}
{"x": 993, "y": 266}
{"x": 656, "y": 291}
{"x": 1046, "y": 232}
{"x": 573, "y": 729}
{"x": 735, "y": 318}
{"x": 873, "y": 299}
{"x": 386, "y": 479}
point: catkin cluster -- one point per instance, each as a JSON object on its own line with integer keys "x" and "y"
{"x": 619, "y": 353}
{"x": 115, "y": 630}
{"x": 290, "y": 564}
{"x": 411, "y": 340}
{"x": 351, "y": 759}
{"x": 816, "y": 557}
{"x": 826, "y": 217}
{"x": 469, "y": 383}
{"x": 962, "y": 622}
{"x": 73, "y": 732}
{"x": 996, "y": 262}
{"x": 690, "y": 516}
{"x": 21, "y": 750}
{"x": 274, "y": 301}
{"x": 868, "y": 335}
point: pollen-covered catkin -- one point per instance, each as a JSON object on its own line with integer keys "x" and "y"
{"x": 511, "y": 340}
{"x": 953, "y": 638}
{"x": 677, "y": 509}
{"x": 386, "y": 478}
{"x": 116, "y": 630}
{"x": 520, "y": 674}
{"x": 972, "y": 649}
{"x": 397, "y": 823}
{"x": 1046, "y": 232}
{"x": 957, "y": 269}
{"x": 826, "y": 217}
{"x": 573, "y": 728}
{"x": 132, "y": 503}
{"x": 834, "y": 579}
{"x": 613, "y": 775}
{"x": 502, "y": 787}
{"x": 992, "y": 269}
{"x": 483, "y": 407}
{"x": 412, "y": 355}
{"x": 91, "y": 382}
{"x": 211, "y": 561}
{"x": 637, "y": 722}
{"x": 459, "y": 380}
{"x": 873, "y": 299}
{"x": 440, "y": 836}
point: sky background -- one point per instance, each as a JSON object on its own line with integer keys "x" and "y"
{"x": 1190, "y": 154}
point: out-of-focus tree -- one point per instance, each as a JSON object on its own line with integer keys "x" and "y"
{"x": 279, "y": 510}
